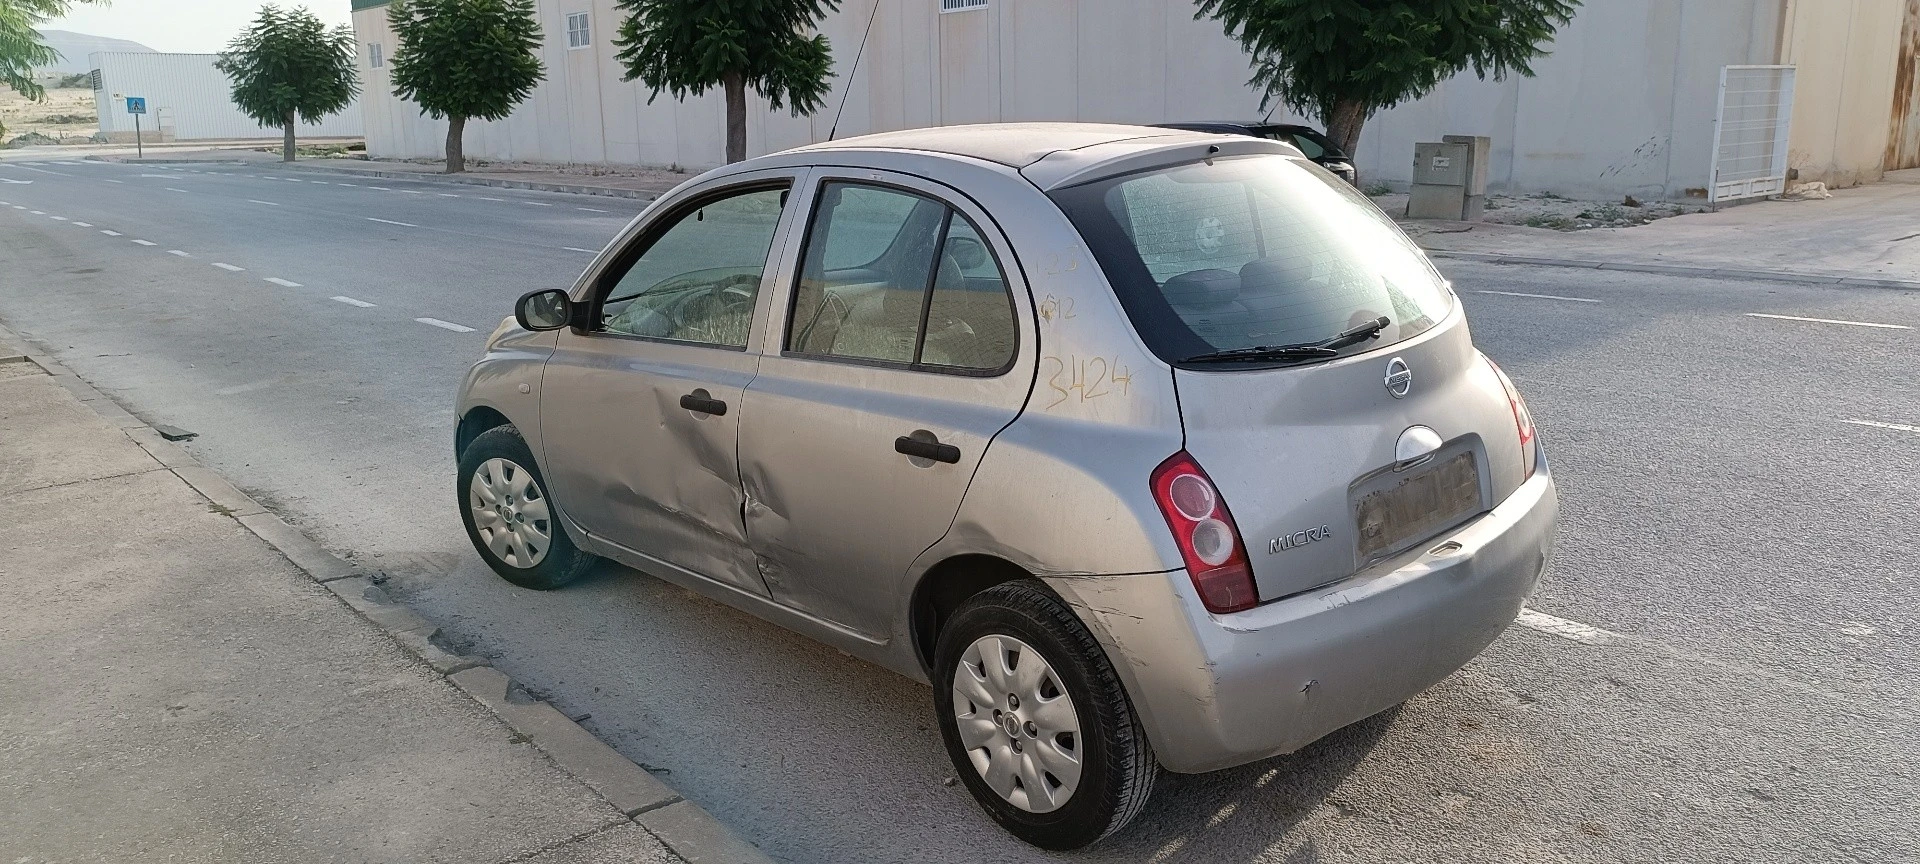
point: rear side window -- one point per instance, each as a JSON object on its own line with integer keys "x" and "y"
{"x": 1254, "y": 251}
{"x": 896, "y": 278}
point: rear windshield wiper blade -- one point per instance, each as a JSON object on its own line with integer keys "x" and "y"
{"x": 1323, "y": 349}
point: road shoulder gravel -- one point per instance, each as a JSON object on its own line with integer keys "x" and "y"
{"x": 179, "y": 690}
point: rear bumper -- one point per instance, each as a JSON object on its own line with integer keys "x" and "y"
{"x": 1216, "y": 691}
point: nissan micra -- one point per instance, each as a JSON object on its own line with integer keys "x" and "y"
{"x": 1146, "y": 448}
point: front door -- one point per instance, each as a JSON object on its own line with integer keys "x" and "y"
{"x": 902, "y": 357}
{"x": 640, "y": 414}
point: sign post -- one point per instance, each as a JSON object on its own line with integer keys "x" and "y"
{"x": 137, "y": 105}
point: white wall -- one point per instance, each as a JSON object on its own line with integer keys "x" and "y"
{"x": 1624, "y": 104}
{"x": 191, "y": 98}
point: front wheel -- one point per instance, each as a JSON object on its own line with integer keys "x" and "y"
{"x": 503, "y": 502}
{"x": 1036, "y": 720}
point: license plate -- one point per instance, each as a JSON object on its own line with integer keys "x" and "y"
{"x": 1418, "y": 506}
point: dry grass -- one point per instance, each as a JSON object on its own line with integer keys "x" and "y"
{"x": 65, "y": 113}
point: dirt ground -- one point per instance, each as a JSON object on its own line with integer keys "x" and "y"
{"x": 1548, "y": 210}
{"x": 66, "y": 113}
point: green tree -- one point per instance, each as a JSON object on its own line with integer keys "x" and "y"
{"x": 1344, "y": 60}
{"x": 288, "y": 66}
{"x": 21, "y": 50}
{"x": 687, "y": 47}
{"x": 463, "y": 59}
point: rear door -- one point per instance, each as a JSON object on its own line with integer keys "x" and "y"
{"x": 639, "y": 415}
{"x": 902, "y": 357}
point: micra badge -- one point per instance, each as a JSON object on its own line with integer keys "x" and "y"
{"x": 1298, "y": 539}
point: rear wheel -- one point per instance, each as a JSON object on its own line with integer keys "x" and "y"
{"x": 1036, "y": 720}
{"x": 503, "y": 502}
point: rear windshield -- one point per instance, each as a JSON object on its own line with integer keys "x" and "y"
{"x": 1253, "y": 251}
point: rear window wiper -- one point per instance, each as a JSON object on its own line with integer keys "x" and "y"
{"x": 1321, "y": 350}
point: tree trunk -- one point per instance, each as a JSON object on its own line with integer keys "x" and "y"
{"x": 456, "y": 144}
{"x": 736, "y": 116}
{"x": 1343, "y": 125}
{"x": 286, "y": 140}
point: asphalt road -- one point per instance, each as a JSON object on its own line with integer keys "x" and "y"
{"x": 1728, "y": 673}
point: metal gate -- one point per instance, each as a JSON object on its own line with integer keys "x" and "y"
{"x": 1750, "y": 132}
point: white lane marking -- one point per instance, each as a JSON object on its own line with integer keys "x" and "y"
{"x": 485, "y": 198}
{"x": 83, "y": 224}
{"x": 229, "y": 267}
{"x": 578, "y": 249}
{"x": 536, "y": 203}
{"x": 6, "y": 203}
{"x": 282, "y": 282}
{"x": 45, "y": 171}
{"x": 1897, "y": 427}
{"x": 409, "y": 191}
{"x": 107, "y": 180}
{"x": 381, "y": 188}
{"x": 246, "y": 388}
{"x": 355, "y": 185}
{"x": 1539, "y": 296}
{"x": 146, "y": 243}
{"x": 109, "y": 233}
{"x": 444, "y": 325}
{"x": 352, "y": 302}
{"x": 256, "y": 201}
{"x": 18, "y": 207}
{"x": 319, "y": 182}
{"x": 1829, "y": 321}
{"x": 38, "y": 212}
{"x": 58, "y": 218}
{"x": 179, "y": 253}
{"x": 590, "y": 209}
{"x": 1555, "y": 626}
{"x": 448, "y": 195}
{"x": 391, "y": 222}
{"x": 292, "y": 180}
{"x": 161, "y": 176}
{"x": 171, "y": 189}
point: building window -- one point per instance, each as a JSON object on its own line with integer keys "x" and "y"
{"x": 579, "y": 31}
{"x": 961, "y": 5}
{"x": 374, "y": 58}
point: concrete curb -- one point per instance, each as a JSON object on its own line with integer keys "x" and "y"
{"x": 494, "y": 182}
{"x": 689, "y": 831}
{"x": 1681, "y": 270}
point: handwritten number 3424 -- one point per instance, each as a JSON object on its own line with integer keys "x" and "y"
{"x": 1091, "y": 378}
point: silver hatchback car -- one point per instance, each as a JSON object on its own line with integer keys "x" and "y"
{"x": 1147, "y": 448}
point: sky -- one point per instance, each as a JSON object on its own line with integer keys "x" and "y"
{"x": 183, "y": 26}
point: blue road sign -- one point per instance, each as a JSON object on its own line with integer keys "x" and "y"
{"x": 136, "y": 104}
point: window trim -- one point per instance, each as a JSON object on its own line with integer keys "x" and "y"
{"x": 376, "y": 56}
{"x": 622, "y": 261}
{"x": 926, "y": 300}
{"x": 586, "y": 32}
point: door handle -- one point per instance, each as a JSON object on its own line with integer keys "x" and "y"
{"x": 934, "y": 450}
{"x": 699, "y": 401}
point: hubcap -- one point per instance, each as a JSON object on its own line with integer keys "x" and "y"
{"x": 510, "y": 512}
{"x": 1017, "y": 723}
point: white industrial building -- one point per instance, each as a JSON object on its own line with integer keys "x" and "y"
{"x": 1627, "y": 103}
{"x": 187, "y": 100}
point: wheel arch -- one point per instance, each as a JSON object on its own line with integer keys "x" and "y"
{"x": 944, "y": 587}
{"x": 477, "y": 420}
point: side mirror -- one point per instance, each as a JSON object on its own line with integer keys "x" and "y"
{"x": 550, "y": 309}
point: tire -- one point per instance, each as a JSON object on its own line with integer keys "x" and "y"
{"x": 1116, "y": 764}
{"x": 499, "y": 460}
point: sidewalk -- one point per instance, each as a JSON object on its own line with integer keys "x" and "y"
{"x": 1864, "y": 235}
{"x": 635, "y": 182}
{"x": 187, "y": 679}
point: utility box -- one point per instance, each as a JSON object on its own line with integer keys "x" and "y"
{"x": 1450, "y": 178}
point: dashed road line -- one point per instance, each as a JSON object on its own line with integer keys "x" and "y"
{"x": 355, "y": 185}
{"x": 109, "y": 233}
{"x": 444, "y": 325}
{"x": 391, "y": 222}
{"x": 448, "y": 195}
{"x": 58, "y": 218}
{"x": 536, "y": 203}
{"x": 292, "y": 180}
{"x": 83, "y": 224}
{"x": 381, "y": 188}
{"x": 591, "y": 210}
{"x": 43, "y": 171}
{"x": 282, "y": 282}
{"x": 485, "y": 198}
{"x": 145, "y": 243}
{"x": 578, "y": 249}
{"x": 38, "y": 212}
{"x": 1540, "y": 296}
{"x": 257, "y": 201}
{"x": 1897, "y": 427}
{"x": 109, "y": 180}
{"x": 179, "y": 253}
{"x": 319, "y": 182}
{"x": 352, "y": 302}
{"x": 1829, "y": 321}
{"x": 18, "y": 207}
{"x": 1585, "y": 634}
{"x": 171, "y": 189}
{"x": 229, "y": 267}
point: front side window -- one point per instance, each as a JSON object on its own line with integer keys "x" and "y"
{"x": 579, "y": 30}
{"x": 898, "y": 278}
{"x": 1253, "y": 251}
{"x": 697, "y": 280}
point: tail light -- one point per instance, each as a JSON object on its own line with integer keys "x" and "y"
{"x": 1522, "y": 420}
{"x": 1204, "y": 530}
